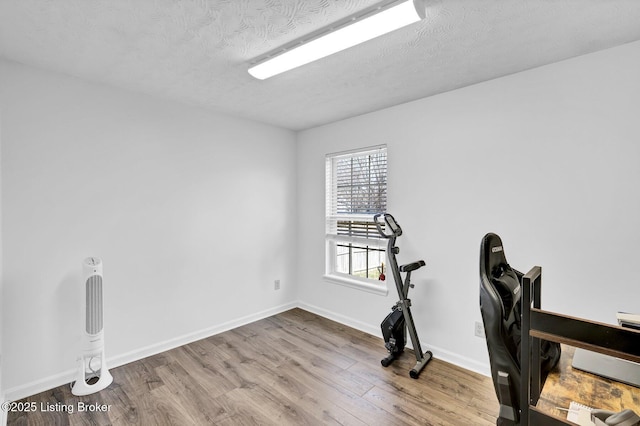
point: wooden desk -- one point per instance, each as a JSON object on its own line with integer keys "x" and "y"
{"x": 566, "y": 384}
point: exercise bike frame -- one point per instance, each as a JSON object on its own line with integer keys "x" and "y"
{"x": 404, "y": 304}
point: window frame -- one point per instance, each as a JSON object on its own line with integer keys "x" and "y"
{"x": 332, "y": 219}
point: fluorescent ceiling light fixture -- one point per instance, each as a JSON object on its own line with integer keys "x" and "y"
{"x": 366, "y": 25}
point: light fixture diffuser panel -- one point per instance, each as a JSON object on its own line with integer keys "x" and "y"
{"x": 373, "y": 26}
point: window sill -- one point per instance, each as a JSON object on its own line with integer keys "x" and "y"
{"x": 363, "y": 285}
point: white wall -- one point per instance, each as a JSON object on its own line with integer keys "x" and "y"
{"x": 3, "y": 414}
{"x": 549, "y": 159}
{"x": 192, "y": 213}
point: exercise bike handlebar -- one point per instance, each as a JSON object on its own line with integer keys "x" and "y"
{"x": 391, "y": 224}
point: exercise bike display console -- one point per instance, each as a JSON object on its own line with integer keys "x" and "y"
{"x": 395, "y": 325}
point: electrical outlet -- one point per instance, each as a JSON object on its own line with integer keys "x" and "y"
{"x": 276, "y": 285}
{"x": 479, "y": 329}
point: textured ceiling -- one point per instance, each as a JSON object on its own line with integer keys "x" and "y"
{"x": 197, "y": 51}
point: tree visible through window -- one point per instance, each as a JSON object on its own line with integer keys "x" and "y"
{"x": 356, "y": 191}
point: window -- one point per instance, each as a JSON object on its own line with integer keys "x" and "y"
{"x": 356, "y": 189}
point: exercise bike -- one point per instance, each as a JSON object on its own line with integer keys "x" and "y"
{"x": 395, "y": 325}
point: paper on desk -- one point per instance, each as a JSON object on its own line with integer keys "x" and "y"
{"x": 580, "y": 414}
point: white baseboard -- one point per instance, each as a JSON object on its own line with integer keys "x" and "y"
{"x": 37, "y": 386}
{"x": 53, "y": 381}
{"x": 443, "y": 354}
{"x": 342, "y": 319}
{"x": 460, "y": 361}
{"x": 192, "y": 337}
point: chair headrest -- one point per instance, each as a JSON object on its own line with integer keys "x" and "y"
{"x": 492, "y": 253}
{"x": 497, "y": 273}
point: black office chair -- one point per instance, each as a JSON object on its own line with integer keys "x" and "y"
{"x": 500, "y": 305}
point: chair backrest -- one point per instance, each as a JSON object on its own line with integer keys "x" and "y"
{"x": 500, "y": 309}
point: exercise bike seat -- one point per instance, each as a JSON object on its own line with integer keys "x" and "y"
{"x": 412, "y": 266}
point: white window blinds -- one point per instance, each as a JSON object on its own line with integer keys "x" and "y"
{"x": 356, "y": 190}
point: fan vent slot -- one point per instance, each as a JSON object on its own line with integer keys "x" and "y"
{"x": 94, "y": 304}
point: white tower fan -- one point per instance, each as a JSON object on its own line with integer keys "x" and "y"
{"x": 93, "y": 375}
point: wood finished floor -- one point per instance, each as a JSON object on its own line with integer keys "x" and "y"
{"x": 294, "y": 368}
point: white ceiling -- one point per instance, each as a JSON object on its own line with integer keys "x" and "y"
{"x": 197, "y": 51}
